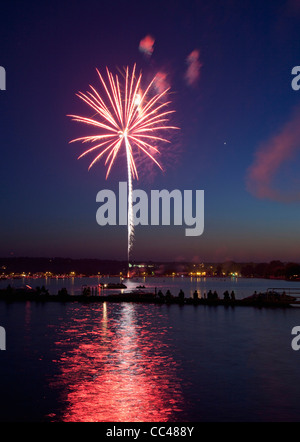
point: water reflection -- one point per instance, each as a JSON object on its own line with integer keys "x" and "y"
{"x": 119, "y": 368}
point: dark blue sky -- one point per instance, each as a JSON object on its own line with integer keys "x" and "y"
{"x": 241, "y": 101}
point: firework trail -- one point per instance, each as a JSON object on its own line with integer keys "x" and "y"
{"x": 126, "y": 116}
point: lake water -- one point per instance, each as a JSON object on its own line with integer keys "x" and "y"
{"x": 131, "y": 362}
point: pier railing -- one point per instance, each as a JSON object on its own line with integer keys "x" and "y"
{"x": 290, "y": 291}
{"x": 287, "y": 290}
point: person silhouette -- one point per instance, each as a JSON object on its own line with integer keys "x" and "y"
{"x": 181, "y": 295}
{"x": 226, "y": 295}
{"x": 160, "y": 294}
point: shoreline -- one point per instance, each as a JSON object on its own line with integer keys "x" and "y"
{"x": 11, "y": 295}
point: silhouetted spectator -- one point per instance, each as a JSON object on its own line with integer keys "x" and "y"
{"x": 168, "y": 294}
{"x": 232, "y": 295}
{"x": 195, "y": 295}
{"x": 226, "y": 295}
{"x": 62, "y": 292}
{"x": 86, "y": 291}
{"x": 181, "y": 295}
{"x": 9, "y": 289}
{"x": 44, "y": 291}
{"x": 160, "y": 294}
{"x": 209, "y": 295}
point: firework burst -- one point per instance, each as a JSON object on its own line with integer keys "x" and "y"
{"x": 126, "y": 117}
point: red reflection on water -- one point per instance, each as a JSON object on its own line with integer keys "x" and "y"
{"x": 121, "y": 370}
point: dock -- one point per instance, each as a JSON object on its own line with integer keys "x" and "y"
{"x": 271, "y": 298}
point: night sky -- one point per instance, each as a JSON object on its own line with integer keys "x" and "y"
{"x": 238, "y": 115}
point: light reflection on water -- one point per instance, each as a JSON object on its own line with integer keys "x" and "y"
{"x": 119, "y": 369}
{"x": 144, "y": 362}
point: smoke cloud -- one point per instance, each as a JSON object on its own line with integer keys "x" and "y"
{"x": 146, "y": 45}
{"x": 269, "y": 157}
{"x": 160, "y": 82}
{"x": 192, "y": 74}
